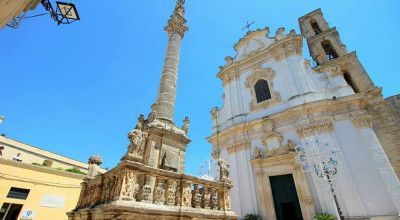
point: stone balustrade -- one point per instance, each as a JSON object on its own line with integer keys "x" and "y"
{"x": 132, "y": 181}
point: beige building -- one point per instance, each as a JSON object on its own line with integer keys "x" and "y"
{"x": 10, "y": 9}
{"x": 37, "y": 184}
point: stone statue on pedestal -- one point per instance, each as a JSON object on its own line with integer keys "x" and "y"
{"x": 223, "y": 170}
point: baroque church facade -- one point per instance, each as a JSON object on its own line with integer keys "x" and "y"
{"x": 276, "y": 103}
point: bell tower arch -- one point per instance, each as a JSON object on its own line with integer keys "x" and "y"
{"x": 327, "y": 50}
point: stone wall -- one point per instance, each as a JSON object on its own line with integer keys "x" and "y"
{"x": 394, "y": 104}
{"x": 386, "y": 124}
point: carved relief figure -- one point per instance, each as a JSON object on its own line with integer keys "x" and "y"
{"x": 227, "y": 200}
{"x": 170, "y": 193}
{"x": 159, "y": 193}
{"x": 131, "y": 186}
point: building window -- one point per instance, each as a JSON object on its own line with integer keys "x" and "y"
{"x": 262, "y": 90}
{"x": 329, "y": 50}
{"x": 315, "y": 27}
{"x": 10, "y": 211}
{"x": 350, "y": 81}
{"x": 18, "y": 193}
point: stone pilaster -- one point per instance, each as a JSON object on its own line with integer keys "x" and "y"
{"x": 176, "y": 29}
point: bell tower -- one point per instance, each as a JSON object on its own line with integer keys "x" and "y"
{"x": 329, "y": 53}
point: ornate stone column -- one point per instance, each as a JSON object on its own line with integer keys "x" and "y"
{"x": 176, "y": 29}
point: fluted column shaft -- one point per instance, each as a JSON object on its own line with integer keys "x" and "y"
{"x": 167, "y": 90}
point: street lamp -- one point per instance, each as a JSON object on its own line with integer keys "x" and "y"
{"x": 1, "y": 119}
{"x": 65, "y": 13}
{"x": 320, "y": 158}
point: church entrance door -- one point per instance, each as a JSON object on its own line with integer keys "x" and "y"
{"x": 287, "y": 206}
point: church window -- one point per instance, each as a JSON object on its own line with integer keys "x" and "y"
{"x": 329, "y": 50}
{"x": 262, "y": 91}
{"x": 315, "y": 27}
{"x": 350, "y": 82}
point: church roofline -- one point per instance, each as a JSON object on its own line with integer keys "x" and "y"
{"x": 250, "y": 35}
{"x": 272, "y": 50}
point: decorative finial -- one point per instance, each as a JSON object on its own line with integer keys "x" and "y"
{"x": 93, "y": 169}
{"x": 179, "y": 9}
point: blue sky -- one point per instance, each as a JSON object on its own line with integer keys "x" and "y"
{"x": 77, "y": 89}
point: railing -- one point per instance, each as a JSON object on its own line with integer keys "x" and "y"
{"x": 132, "y": 181}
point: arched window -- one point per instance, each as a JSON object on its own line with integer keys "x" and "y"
{"x": 315, "y": 27}
{"x": 350, "y": 82}
{"x": 262, "y": 90}
{"x": 329, "y": 50}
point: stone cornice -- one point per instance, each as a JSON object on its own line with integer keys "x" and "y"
{"x": 288, "y": 159}
{"x": 362, "y": 100}
{"x": 328, "y": 32}
{"x": 314, "y": 127}
{"x": 336, "y": 66}
{"x": 281, "y": 49}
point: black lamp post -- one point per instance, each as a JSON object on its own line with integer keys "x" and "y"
{"x": 64, "y": 13}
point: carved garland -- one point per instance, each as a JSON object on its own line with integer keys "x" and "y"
{"x": 316, "y": 127}
{"x": 267, "y": 74}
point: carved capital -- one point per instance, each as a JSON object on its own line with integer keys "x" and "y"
{"x": 364, "y": 121}
{"x": 177, "y": 22}
{"x": 238, "y": 147}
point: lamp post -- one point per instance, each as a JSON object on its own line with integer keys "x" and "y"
{"x": 64, "y": 13}
{"x": 320, "y": 158}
